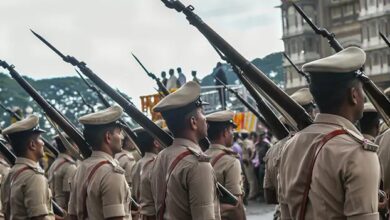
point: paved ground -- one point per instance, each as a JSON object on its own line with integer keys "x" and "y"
{"x": 259, "y": 211}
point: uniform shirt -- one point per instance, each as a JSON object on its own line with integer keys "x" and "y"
{"x": 135, "y": 155}
{"x": 145, "y": 194}
{"x": 29, "y": 196}
{"x": 127, "y": 162}
{"x": 227, "y": 168}
{"x": 172, "y": 83}
{"x": 383, "y": 141}
{"x": 272, "y": 162}
{"x": 369, "y": 137}
{"x": 345, "y": 177}
{"x": 60, "y": 175}
{"x": 108, "y": 194}
{"x": 4, "y": 170}
{"x": 191, "y": 189}
{"x": 248, "y": 149}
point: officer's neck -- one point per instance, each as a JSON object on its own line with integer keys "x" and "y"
{"x": 189, "y": 136}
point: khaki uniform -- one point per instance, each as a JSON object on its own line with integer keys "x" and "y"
{"x": 142, "y": 185}
{"x": 384, "y": 158}
{"x": 345, "y": 179}
{"x": 107, "y": 194}
{"x": 4, "y": 170}
{"x": 369, "y": 137}
{"x": 248, "y": 149}
{"x": 227, "y": 168}
{"x": 135, "y": 155}
{"x": 191, "y": 189}
{"x": 127, "y": 162}
{"x": 60, "y": 176}
{"x": 28, "y": 195}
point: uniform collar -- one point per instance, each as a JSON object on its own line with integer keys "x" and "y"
{"x": 369, "y": 137}
{"x": 101, "y": 154}
{"x": 187, "y": 143}
{"x": 218, "y": 146}
{"x": 150, "y": 155}
{"x": 322, "y": 118}
{"x": 26, "y": 161}
{"x": 66, "y": 157}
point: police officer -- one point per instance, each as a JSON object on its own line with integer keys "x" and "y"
{"x": 141, "y": 173}
{"x": 369, "y": 123}
{"x": 99, "y": 189}
{"x": 61, "y": 173}
{"x": 26, "y": 193}
{"x": 126, "y": 160}
{"x": 328, "y": 170}
{"x": 183, "y": 181}
{"x": 225, "y": 162}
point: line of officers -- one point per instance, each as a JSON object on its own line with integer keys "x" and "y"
{"x": 329, "y": 170}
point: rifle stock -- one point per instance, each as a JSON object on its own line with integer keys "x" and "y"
{"x": 256, "y": 76}
{"x": 376, "y": 96}
{"x": 50, "y": 111}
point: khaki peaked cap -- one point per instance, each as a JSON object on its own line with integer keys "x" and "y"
{"x": 302, "y": 96}
{"x": 345, "y": 61}
{"x": 187, "y": 94}
{"x": 106, "y": 116}
{"x": 28, "y": 124}
{"x": 221, "y": 116}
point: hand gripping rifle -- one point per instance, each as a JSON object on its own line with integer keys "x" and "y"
{"x": 272, "y": 121}
{"x": 11, "y": 158}
{"x": 297, "y": 69}
{"x": 274, "y": 94}
{"x": 385, "y": 39}
{"x": 126, "y": 127}
{"x": 376, "y": 96}
{"x": 161, "y": 87}
{"x": 68, "y": 128}
{"x": 48, "y": 145}
{"x": 130, "y": 109}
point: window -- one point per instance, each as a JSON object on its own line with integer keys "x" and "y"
{"x": 373, "y": 29}
{"x": 348, "y": 10}
{"x": 335, "y": 13}
{"x": 371, "y": 3}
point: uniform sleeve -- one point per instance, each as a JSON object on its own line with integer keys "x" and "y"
{"x": 383, "y": 154}
{"x": 233, "y": 178}
{"x": 72, "y": 210}
{"x": 68, "y": 176}
{"x": 115, "y": 195}
{"x": 202, "y": 191}
{"x": 37, "y": 196}
{"x": 135, "y": 179}
{"x": 147, "y": 202}
{"x": 128, "y": 167}
{"x": 361, "y": 182}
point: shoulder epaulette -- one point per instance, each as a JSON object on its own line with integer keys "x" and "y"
{"x": 199, "y": 155}
{"x": 231, "y": 153}
{"x": 366, "y": 144}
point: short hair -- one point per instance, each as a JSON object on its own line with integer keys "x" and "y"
{"x": 369, "y": 121}
{"x": 20, "y": 140}
{"x": 216, "y": 128}
{"x": 177, "y": 120}
{"x": 329, "y": 92}
{"x": 144, "y": 140}
{"x": 171, "y": 71}
{"x": 163, "y": 73}
{"x": 178, "y": 69}
{"x": 254, "y": 135}
{"x": 94, "y": 134}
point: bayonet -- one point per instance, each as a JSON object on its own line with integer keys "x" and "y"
{"x": 85, "y": 102}
{"x": 385, "y": 39}
{"x": 297, "y": 69}
{"x": 162, "y": 88}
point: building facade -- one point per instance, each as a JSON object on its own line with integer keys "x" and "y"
{"x": 354, "y": 22}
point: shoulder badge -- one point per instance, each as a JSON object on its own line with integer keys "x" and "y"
{"x": 367, "y": 144}
{"x": 232, "y": 153}
{"x": 118, "y": 169}
{"x": 199, "y": 155}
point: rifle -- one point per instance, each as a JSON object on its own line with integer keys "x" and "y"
{"x": 69, "y": 129}
{"x": 161, "y": 87}
{"x": 85, "y": 102}
{"x": 376, "y": 96}
{"x": 277, "y": 128}
{"x": 11, "y": 158}
{"x": 48, "y": 145}
{"x": 385, "y": 39}
{"x": 273, "y": 93}
{"x": 297, "y": 69}
{"x": 131, "y": 110}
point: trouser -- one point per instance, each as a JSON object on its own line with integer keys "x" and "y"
{"x": 252, "y": 180}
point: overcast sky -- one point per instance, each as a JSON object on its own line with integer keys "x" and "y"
{"x": 104, "y": 32}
